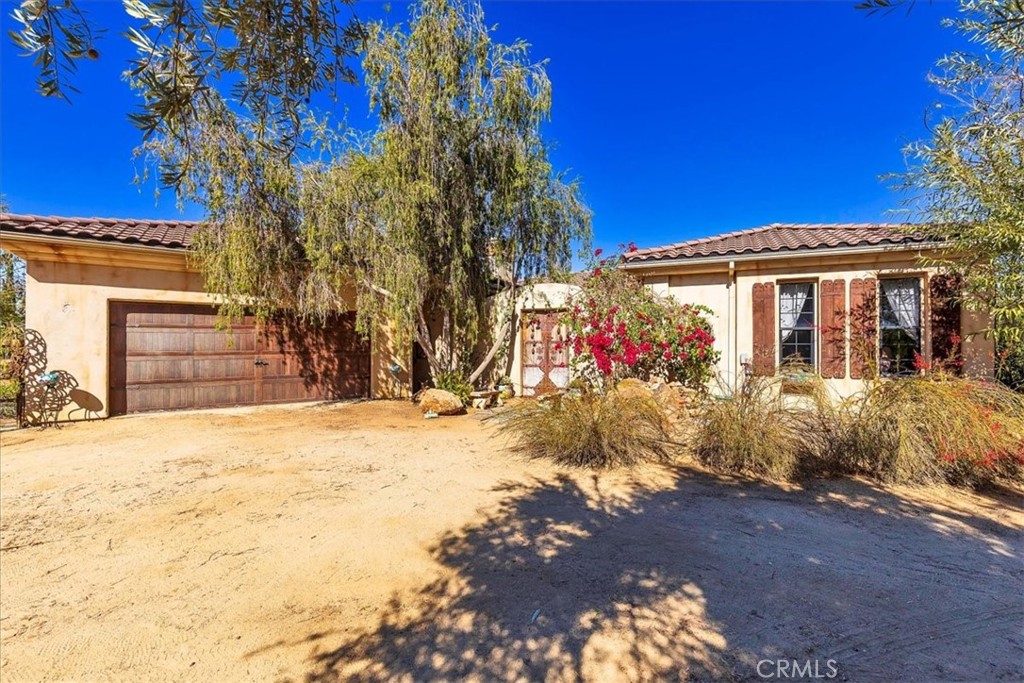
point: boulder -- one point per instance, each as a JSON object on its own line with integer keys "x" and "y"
{"x": 634, "y": 388}
{"x": 441, "y": 402}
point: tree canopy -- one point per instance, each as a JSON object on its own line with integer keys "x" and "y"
{"x": 450, "y": 199}
{"x": 967, "y": 181}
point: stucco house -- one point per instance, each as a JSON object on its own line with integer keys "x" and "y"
{"x": 122, "y": 323}
{"x": 846, "y": 299}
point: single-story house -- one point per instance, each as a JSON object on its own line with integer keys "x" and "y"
{"x": 848, "y": 300}
{"x": 117, "y": 322}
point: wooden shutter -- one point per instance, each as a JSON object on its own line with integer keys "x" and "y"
{"x": 833, "y": 329}
{"x": 863, "y": 327}
{"x": 764, "y": 329}
{"x": 944, "y": 301}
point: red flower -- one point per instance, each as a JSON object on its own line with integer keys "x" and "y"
{"x": 667, "y": 355}
{"x": 598, "y": 252}
{"x": 597, "y": 272}
{"x": 631, "y": 248}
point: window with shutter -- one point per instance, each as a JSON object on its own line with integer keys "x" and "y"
{"x": 899, "y": 320}
{"x": 798, "y": 338}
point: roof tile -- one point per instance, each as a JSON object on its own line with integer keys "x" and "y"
{"x": 170, "y": 234}
{"x": 784, "y": 237}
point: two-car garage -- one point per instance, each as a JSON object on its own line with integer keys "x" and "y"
{"x": 174, "y": 356}
{"x": 120, "y": 316}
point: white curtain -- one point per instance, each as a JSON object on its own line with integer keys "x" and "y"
{"x": 791, "y": 304}
{"x": 904, "y": 297}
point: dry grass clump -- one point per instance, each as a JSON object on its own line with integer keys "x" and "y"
{"x": 751, "y": 431}
{"x": 910, "y": 430}
{"x": 916, "y": 430}
{"x": 596, "y": 430}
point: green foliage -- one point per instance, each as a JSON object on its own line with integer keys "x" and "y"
{"x": 1010, "y": 366}
{"x": 12, "y": 289}
{"x": 12, "y": 351}
{"x": 454, "y": 382}
{"x": 618, "y": 328}
{"x": 416, "y": 223}
{"x": 751, "y": 431}
{"x": 9, "y": 389}
{"x": 967, "y": 182}
{"x": 266, "y": 57}
{"x": 596, "y": 430}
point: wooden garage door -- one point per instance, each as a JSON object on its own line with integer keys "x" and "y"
{"x": 172, "y": 357}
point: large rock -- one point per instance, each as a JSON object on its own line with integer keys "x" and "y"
{"x": 441, "y": 402}
{"x": 633, "y": 387}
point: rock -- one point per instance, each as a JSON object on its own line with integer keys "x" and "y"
{"x": 633, "y": 388}
{"x": 441, "y": 402}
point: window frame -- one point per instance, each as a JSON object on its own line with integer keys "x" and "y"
{"x": 812, "y": 330}
{"x": 920, "y": 344}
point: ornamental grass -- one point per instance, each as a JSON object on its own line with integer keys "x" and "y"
{"x": 917, "y": 430}
{"x": 594, "y": 430}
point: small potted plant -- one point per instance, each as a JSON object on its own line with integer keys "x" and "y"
{"x": 504, "y": 385}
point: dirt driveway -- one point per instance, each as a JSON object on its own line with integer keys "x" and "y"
{"x": 361, "y": 543}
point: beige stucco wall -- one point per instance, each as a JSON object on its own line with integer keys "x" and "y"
{"x": 68, "y": 293}
{"x": 728, "y": 290}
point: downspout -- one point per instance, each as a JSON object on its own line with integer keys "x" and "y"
{"x": 733, "y": 365}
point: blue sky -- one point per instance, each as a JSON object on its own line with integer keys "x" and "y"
{"x": 682, "y": 119}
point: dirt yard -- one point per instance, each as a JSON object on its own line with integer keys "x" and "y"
{"x": 360, "y": 542}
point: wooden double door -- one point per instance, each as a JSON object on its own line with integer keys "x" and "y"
{"x": 173, "y": 357}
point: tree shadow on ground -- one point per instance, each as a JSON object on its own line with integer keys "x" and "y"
{"x": 700, "y": 578}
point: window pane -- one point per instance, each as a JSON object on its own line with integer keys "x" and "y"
{"x": 900, "y": 322}
{"x": 797, "y": 337}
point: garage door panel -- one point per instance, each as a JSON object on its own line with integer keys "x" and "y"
{"x": 170, "y": 356}
{"x": 158, "y": 369}
{"x": 143, "y": 341}
{"x": 236, "y": 368}
{"x": 149, "y": 397}
{"x": 222, "y": 342}
{"x": 223, "y": 394}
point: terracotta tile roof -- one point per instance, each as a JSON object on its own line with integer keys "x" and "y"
{"x": 783, "y": 237}
{"x": 153, "y": 233}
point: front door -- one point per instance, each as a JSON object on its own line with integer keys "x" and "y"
{"x": 545, "y": 356}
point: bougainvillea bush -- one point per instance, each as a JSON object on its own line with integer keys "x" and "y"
{"x": 618, "y": 328}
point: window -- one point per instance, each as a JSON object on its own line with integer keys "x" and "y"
{"x": 899, "y": 320}
{"x": 797, "y": 338}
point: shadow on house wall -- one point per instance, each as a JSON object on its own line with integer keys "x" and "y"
{"x": 46, "y": 393}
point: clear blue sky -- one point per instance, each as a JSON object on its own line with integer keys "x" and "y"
{"x": 683, "y": 119}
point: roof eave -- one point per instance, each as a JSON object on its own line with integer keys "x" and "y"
{"x": 657, "y": 264}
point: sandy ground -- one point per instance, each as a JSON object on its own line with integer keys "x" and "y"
{"x": 359, "y": 542}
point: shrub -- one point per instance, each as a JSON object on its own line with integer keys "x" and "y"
{"x": 923, "y": 429}
{"x": 9, "y": 389}
{"x": 618, "y": 328}
{"x": 454, "y": 382}
{"x": 750, "y": 431}
{"x": 594, "y": 430}
{"x": 910, "y": 430}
